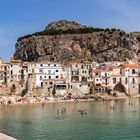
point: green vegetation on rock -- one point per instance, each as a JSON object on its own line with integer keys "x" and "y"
{"x": 66, "y": 27}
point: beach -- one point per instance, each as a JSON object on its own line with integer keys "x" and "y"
{"x": 18, "y": 100}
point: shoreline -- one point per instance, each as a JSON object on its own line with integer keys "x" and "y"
{"x": 73, "y": 101}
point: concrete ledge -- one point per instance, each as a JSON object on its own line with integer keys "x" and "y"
{"x": 5, "y": 137}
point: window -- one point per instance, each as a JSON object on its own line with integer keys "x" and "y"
{"x": 126, "y": 81}
{"x": 79, "y": 85}
{"x": 120, "y": 80}
{"x": 133, "y": 80}
{"x": 106, "y": 81}
{"x": 11, "y": 72}
{"x": 48, "y": 89}
{"x": 11, "y": 65}
{"x": 114, "y": 80}
{"x": 68, "y": 86}
{"x": 40, "y": 70}
{"x": 99, "y": 90}
{"x": 57, "y": 70}
{"x": 82, "y": 71}
{"x": 22, "y": 72}
{"x": 40, "y": 77}
{"x": 48, "y": 64}
{"x": 41, "y": 65}
{"x": 120, "y": 71}
{"x": 44, "y": 76}
{"x": 57, "y": 77}
{"x": 49, "y": 77}
{"x": 32, "y": 70}
{"x": 50, "y": 83}
{"x": 98, "y": 84}
{"x": 72, "y": 73}
{"x": 49, "y": 71}
{"x": 133, "y": 71}
{"x": 76, "y": 65}
{"x": 96, "y": 79}
{"x": 41, "y": 84}
{"x": 55, "y": 65}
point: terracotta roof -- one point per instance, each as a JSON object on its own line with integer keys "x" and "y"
{"x": 73, "y": 63}
{"x": 131, "y": 66}
{"x": 116, "y": 75}
{"x": 115, "y": 67}
{"x": 97, "y": 70}
{"x": 87, "y": 62}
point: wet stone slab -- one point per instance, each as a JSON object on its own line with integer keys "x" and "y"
{"x": 5, "y": 137}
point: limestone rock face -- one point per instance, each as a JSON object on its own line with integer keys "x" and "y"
{"x": 106, "y": 45}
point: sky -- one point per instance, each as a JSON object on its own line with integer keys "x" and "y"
{"x": 21, "y": 17}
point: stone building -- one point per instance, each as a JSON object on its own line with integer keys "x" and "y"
{"x": 80, "y": 78}
{"x": 118, "y": 79}
{"x": 17, "y": 76}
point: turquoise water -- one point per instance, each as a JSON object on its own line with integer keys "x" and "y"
{"x": 34, "y": 122}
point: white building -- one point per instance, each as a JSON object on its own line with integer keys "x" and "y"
{"x": 48, "y": 77}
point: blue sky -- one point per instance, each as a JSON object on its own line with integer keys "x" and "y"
{"x": 20, "y": 17}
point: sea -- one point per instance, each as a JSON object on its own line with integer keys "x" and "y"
{"x": 101, "y": 120}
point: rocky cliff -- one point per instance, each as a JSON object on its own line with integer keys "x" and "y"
{"x": 62, "y": 41}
